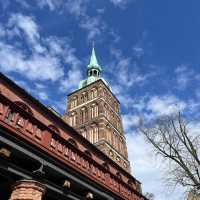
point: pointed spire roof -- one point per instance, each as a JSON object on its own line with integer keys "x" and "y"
{"x": 93, "y": 61}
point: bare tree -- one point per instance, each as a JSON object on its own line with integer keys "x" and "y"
{"x": 173, "y": 140}
{"x": 149, "y": 196}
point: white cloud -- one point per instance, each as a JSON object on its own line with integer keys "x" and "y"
{"x": 42, "y": 95}
{"x": 128, "y": 75}
{"x": 149, "y": 169}
{"x": 34, "y": 67}
{"x": 93, "y": 25}
{"x": 165, "y": 105}
{"x": 44, "y": 58}
{"x": 194, "y": 128}
{"x": 185, "y": 75}
{"x": 25, "y": 26}
{"x": 130, "y": 121}
{"x": 120, "y": 3}
{"x": 71, "y": 81}
{"x": 51, "y": 4}
{"x": 77, "y": 8}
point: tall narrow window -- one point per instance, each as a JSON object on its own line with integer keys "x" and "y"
{"x": 121, "y": 145}
{"x": 84, "y": 97}
{"x": 108, "y": 132}
{"x": 94, "y": 111}
{"x": 114, "y": 139}
{"x": 93, "y": 93}
{"x": 74, "y": 102}
{"x": 73, "y": 119}
{"x": 93, "y": 133}
{"x": 84, "y": 114}
{"x": 96, "y": 134}
{"x": 106, "y": 110}
{"x": 117, "y": 142}
{"x": 90, "y": 135}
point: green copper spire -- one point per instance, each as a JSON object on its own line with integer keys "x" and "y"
{"x": 93, "y": 61}
{"x": 93, "y": 71}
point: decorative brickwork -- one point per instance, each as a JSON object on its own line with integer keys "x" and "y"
{"x": 94, "y": 112}
{"x": 34, "y": 127}
{"x": 27, "y": 190}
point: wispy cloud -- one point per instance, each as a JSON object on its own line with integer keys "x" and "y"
{"x": 128, "y": 71}
{"x": 44, "y": 57}
{"x": 185, "y": 75}
{"x": 34, "y": 67}
{"x": 121, "y": 3}
{"x": 165, "y": 105}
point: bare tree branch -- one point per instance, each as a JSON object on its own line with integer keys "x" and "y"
{"x": 172, "y": 139}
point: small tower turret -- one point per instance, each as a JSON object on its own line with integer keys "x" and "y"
{"x": 94, "y": 69}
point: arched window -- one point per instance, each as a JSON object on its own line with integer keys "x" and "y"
{"x": 94, "y": 110}
{"x": 93, "y": 133}
{"x": 104, "y": 92}
{"x": 95, "y": 72}
{"x": 84, "y": 114}
{"x": 90, "y": 134}
{"x": 74, "y": 102}
{"x": 90, "y": 73}
{"x": 120, "y": 145}
{"x": 24, "y": 107}
{"x": 93, "y": 93}
{"x": 117, "y": 142}
{"x": 106, "y": 110}
{"x": 108, "y": 132}
{"x": 73, "y": 119}
{"x": 84, "y": 97}
{"x": 114, "y": 139}
{"x": 54, "y": 129}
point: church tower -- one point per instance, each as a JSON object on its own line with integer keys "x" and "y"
{"x": 94, "y": 111}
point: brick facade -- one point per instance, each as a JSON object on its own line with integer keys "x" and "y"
{"x": 33, "y": 134}
{"x": 94, "y": 112}
{"x": 27, "y": 190}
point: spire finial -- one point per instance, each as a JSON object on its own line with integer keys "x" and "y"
{"x": 93, "y": 44}
{"x": 93, "y": 58}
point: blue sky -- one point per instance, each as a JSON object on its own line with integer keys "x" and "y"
{"x": 149, "y": 51}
